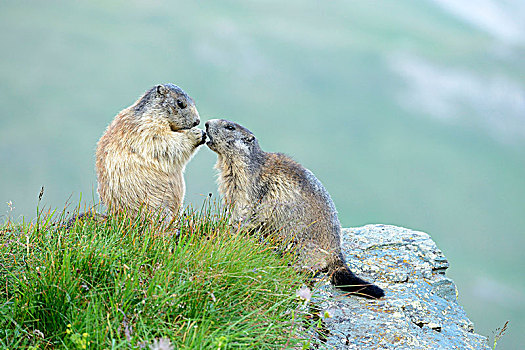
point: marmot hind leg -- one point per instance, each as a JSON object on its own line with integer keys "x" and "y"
{"x": 92, "y": 215}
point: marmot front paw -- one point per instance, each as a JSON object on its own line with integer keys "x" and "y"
{"x": 197, "y": 135}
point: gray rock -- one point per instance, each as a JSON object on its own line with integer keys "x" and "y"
{"x": 420, "y": 309}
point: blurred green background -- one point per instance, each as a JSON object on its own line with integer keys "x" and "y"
{"x": 411, "y": 113}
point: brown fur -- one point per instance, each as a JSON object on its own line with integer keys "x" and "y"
{"x": 271, "y": 192}
{"x": 140, "y": 159}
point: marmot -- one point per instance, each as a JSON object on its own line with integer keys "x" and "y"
{"x": 273, "y": 193}
{"x": 141, "y": 157}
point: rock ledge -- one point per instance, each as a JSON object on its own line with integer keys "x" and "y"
{"x": 420, "y": 309}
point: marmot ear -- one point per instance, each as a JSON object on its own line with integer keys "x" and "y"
{"x": 161, "y": 90}
{"x": 250, "y": 138}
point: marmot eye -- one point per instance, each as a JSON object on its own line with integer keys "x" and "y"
{"x": 230, "y": 127}
{"x": 181, "y": 104}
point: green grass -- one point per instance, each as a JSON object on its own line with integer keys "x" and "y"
{"x": 121, "y": 283}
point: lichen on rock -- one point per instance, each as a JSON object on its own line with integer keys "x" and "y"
{"x": 420, "y": 309}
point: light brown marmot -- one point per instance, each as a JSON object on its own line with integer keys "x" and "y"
{"x": 271, "y": 192}
{"x": 141, "y": 157}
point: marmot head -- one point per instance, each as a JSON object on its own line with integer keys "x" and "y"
{"x": 170, "y": 105}
{"x": 230, "y": 139}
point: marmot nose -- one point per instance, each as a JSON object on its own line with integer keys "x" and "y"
{"x": 196, "y": 122}
{"x": 207, "y": 124}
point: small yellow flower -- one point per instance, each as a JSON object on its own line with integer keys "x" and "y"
{"x": 85, "y": 335}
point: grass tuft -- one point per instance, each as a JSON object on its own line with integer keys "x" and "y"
{"x": 499, "y": 333}
{"x": 116, "y": 282}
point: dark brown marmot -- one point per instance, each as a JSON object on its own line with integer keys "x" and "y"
{"x": 273, "y": 193}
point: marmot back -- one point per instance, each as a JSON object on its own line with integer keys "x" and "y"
{"x": 140, "y": 159}
{"x": 270, "y": 191}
